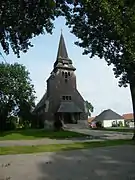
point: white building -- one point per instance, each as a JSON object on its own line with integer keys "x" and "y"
{"x": 129, "y": 120}
{"x": 109, "y": 118}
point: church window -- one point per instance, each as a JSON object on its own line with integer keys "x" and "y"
{"x": 68, "y": 73}
{"x": 66, "y": 98}
{"x": 62, "y": 73}
{"x": 63, "y": 97}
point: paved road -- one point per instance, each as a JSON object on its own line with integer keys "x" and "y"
{"x": 44, "y": 141}
{"x": 104, "y": 134}
{"x": 101, "y": 163}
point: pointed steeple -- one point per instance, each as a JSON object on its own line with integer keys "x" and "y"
{"x": 62, "y": 51}
{"x": 63, "y": 60}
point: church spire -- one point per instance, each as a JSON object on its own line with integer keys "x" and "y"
{"x": 62, "y": 51}
{"x": 63, "y": 61}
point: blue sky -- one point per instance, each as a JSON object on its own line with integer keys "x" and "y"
{"x": 95, "y": 80}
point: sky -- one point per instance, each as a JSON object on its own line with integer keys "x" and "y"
{"x": 95, "y": 80}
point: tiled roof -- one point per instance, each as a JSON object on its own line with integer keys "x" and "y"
{"x": 128, "y": 116}
{"x": 108, "y": 115}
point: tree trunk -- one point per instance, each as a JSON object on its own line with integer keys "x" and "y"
{"x": 132, "y": 89}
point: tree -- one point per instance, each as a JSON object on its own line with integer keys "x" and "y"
{"x": 16, "y": 92}
{"x": 107, "y": 29}
{"x": 89, "y": 107}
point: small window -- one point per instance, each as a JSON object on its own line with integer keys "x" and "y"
{"x": 62, "y": 73}
{"x": 66, "y": 80}
{"x": 67, "y": 98}
{"x": 68, "y": 73}
{"x": 63, "y": 97}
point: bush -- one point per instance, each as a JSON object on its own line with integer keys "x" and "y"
{"x": 58, "y": 125}
{"x": 11, "y": 123}
{"x": 120, "y": 124}
{"x": 99, "y": 124}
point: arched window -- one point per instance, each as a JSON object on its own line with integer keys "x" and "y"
{"x": 66, "y": 74}
{"x": 62, "y": 73}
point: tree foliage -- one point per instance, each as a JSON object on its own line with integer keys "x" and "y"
{"x": 16, "y": 92}
{"x": 107, "y": 29}
{"x": 22, "y": 20}
{"x": 89, "y": 107}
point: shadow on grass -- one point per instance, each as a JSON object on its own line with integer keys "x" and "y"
{"x": 101, "y": 163}
{"x": 40, "y": 133}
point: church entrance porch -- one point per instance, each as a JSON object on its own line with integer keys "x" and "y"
{"x": 69, "y": 112}
{"x": 71, "y": 118}
{"x": 68, "y": 118}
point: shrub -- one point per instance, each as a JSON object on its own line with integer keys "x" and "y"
{"x": 120, "y": 124}
{"x": 58, "y": 125}
{"x": 11, "y": 123}
{"x": 99, "y": 124}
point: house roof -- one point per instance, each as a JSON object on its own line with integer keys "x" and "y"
{"x": 128, "y": 116}
{"x": 108, "y": 115}
{"x": 90, "y": 119}
{"x": 70, "y": 107}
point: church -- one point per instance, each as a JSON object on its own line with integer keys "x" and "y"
{"x": 62, "y": 100}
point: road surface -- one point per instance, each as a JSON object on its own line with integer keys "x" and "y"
{"x": 110, "y": 163}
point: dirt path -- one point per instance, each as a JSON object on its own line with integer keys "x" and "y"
{"x": 41, "y": 142}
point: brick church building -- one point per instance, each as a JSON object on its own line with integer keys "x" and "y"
{"x": 62, "y": 100}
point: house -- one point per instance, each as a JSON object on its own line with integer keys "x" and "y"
{"x": 129, "y": 119}
{"x": 62, "y": 100}
{"x": 109, "y": 118}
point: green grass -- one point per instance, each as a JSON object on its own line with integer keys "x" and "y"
{"x": 61, "y": 147}
{"x": 30, "y": 134}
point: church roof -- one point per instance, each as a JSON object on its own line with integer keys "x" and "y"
{"x": 62, "y": 51}
{"x": 62, "y": 56}
{"x": 108, "y": 115}
{"x": 69, "y": 107}
{"x": 41, "y": 102}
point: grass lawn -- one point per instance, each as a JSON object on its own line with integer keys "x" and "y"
{"x": 61, "y": 147}
{"x": 31, "y": 134}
